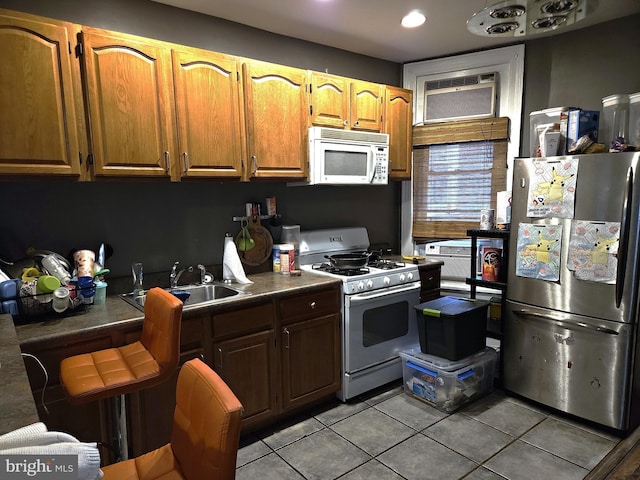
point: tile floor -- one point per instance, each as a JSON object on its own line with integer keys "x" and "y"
{"x": 388, "y": 435}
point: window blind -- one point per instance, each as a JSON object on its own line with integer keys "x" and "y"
{"x": 456, "y": 176}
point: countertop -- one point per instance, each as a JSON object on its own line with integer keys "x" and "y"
{"x": 115, "y": 311}
{"x": 17, "y": 406}
{"x": 16, "y": 401}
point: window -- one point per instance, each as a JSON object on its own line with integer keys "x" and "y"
{"x": 458, "y": 168}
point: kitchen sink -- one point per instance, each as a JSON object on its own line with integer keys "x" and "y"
{"x": 195, "y": 295}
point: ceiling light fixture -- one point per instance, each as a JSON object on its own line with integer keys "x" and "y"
{"x": 413, "y": 19}
{"x": 518, "y": 18}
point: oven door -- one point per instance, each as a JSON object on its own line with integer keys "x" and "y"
{"x": 378, "y": 325}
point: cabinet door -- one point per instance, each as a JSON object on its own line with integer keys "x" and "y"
{"x": 247, "y": 364}
{"x": 207, "y": 87}
{"x": 398, "y": 118}
{"x": 275, "y": 99}
{"x": 39, "y": 103}
{"x": 329, "y": 100}
{"x": 129, "y": 88}
{"x": 310, "y": 360}
{"x": 366, "y": 106}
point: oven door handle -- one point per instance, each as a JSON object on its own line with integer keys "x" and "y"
{"x": 362, "y": 297}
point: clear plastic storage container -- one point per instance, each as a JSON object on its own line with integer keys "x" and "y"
{"x": 448, "y": 385}
{"x": 615, "y": 118}
{"x": 540, "y": 121}
{"x": 634, "y": 120}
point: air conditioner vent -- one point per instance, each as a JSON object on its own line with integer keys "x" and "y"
{"x": 460, "y": 98}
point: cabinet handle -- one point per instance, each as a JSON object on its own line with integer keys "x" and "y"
{"x": 356, "y": 123}
{"x": 312, "y": 305}
{"x": 286, "y": 343}
{"x": 167, "y": 160}
{"x": 220, "y": 358}
{"x": 345, "y": 122}
{"x": 185, "y": 155}
{"x": 255, "y": 164}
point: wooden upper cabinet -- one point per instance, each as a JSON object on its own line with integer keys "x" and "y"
{"x": 275, "y": 101}
{"x": 329, "y": 100}
{"x": 398, "y": 119}
{"x": 207, "y": 90}
{"x": 366, "y": 106}
{"x": 341, "y": 102}
{"x": 40, "y": 96}
{"x": 129, "y": 90}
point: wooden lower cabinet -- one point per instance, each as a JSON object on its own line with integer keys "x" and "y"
{"x": 247, "y": 365}
{"x": 310, "y": 352}
{"x": 272, "y": 374}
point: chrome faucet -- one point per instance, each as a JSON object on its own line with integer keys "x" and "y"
{"x": 174, "y": 276}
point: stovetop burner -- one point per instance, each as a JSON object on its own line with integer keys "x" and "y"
{"x": 345, "y": 272}
{"x": 384, "y": 264}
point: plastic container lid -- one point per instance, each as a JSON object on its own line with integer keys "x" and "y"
{"x": 449, "y": 306}
{"x": 618, "y": 99}
{"x": 550, "y": 112}
{"x": 445, "y": 364}
{"x": 47, "y": 284}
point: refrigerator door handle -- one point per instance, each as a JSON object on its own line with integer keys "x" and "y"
{"x": 624, "y": 237}
{"x": 527, "y": 315}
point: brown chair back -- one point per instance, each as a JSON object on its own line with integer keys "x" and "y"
{"x": 206, "y": 424}
{"x": 161, "y": 328}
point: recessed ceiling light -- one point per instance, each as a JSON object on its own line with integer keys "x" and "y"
{"x": 413, "y": 19}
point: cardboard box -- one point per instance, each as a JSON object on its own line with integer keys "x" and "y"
{"x": 581, "y": 123}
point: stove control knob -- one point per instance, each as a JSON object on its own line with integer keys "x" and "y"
{"x": 402, "y": 277}
{"x": 360, "y": 285}
{"x": 386, "y": 281}
{"x": 410, "y": 276}
{"x": 369, "y": 284}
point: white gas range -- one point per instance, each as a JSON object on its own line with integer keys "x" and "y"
{"x": 378, "y": 317}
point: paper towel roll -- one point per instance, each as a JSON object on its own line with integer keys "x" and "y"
{"x": 232, "y": 268}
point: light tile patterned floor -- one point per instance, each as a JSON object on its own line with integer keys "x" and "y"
{"x": 390, "y": 435}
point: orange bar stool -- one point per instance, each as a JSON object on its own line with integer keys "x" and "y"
{"x": 114, "y": 372}
{"x": 204, "y": 437}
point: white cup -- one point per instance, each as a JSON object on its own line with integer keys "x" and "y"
{"x": 60, "y": 299}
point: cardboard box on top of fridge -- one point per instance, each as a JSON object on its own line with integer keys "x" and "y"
{"x": 581, "y": 123}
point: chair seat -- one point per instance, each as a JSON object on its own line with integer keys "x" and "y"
{"x": 160, "y": 464}
{"x": 107, "y": 373}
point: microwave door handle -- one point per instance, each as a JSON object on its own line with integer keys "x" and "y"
{"x": 373, "y": 164}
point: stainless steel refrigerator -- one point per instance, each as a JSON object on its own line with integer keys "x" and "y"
{"x": 571, "y": 315}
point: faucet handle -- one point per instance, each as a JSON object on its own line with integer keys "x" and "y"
{"x": 205, "y": 277}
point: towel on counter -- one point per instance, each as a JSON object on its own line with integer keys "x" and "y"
{"x": 34, "y": 439}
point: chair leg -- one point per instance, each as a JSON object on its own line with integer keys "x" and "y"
{"x": 120, "y": 440}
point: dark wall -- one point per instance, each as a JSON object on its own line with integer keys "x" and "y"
{"x": 164, "y": 22}
{"x": 578, "y": 69}
{"x": 159, "y": 223}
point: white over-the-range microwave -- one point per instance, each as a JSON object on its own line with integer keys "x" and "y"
{"x": 347, "y": 157}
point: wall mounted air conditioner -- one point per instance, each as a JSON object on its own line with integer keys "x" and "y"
{"x": 460, "y": 98}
